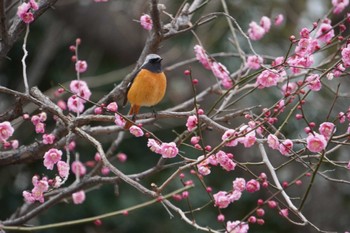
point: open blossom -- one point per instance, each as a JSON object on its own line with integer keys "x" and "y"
{"x": 316, "y": 142}
{"x": 231, "y": 133}
{"x": 345, "y": 56}
{"x": 78, "y": 168}
{"x": 191, "y": 123}
{"x": 63, "y": 169}
{"x": 48, "y": 138}
{"x": 203, "y": 166}
{"x": 222, "y": 199}
{"x": 78, "y": 197}
{"x": 255, "y": 31}
{"x": 339, "y": 5}
{"x": 239, "y": 184}
{"x": 136, "y": 131}
{"x": 289, "y": 87}
{"x": 225, "y": 161}
{"x": 37, "y": 193}
{"x": 75, "y": 104}
{"x": 146, "y": 22}
{"x": 154, "y": 145}
{"x": 265, "y": 23}
{"x": 202, "y": 56}
{"x": 252, "y": 186}
{"x": 254, "y": 62}
{"x": 326, "y": 32}
{"x": 220, "y": 71}
{"x": 80, "y": 88}
{"x": 168, "y": 150}
{"x": 6, "y": 130}
{"x": 81, "y": 66}
{"x": 51, "y": 157}
{"x": 24, "y": 11}
{"x": 118, "y": 120}
{"x": 286, "y": 147}
{"x": 112, "y": 107}
{"x": 273, "y": 142}
{"x": 236, "y": 227}
{"x": 327, "y": 129}
{"x": 268, "y": 78}
{"x": 314, "y": 82}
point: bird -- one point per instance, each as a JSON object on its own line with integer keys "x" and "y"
{"x": 147, "y": 87}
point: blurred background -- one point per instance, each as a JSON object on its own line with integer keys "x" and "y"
{"x": 112, "y": 40}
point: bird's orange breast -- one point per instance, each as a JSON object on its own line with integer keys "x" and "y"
{"x": 147, "y": 89}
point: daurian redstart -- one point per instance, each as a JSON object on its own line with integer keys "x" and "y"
{"x": 147, "y": 87}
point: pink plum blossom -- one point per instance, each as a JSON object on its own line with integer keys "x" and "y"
{"x": 326, "y": 32}
{"x": 203, "y": 166}
{"x": 78, "y": 168}
{"x": 23, "y": 12}
{"x": 168, "y": 150}
{"x": 154, "y": 146}
{"x": 236, "y": 227}
{"x": 265, "y": 23}
{"x": 75, "y": 104}
{"x": 285, "y": 147}
{"x": 112, "y": 107}
{"x": 225, "y": 161}
{"x": 273, "y": 142}
{"x": 220, "y": 71}
{"x": 345, "y": 53}
{"x": 316, "y": 142}
{"x": 231, "y": 133}
{"x": 314, "y": 82}
{"x": 136, "y": 131}
{"x": 146, "y": 22}
{"x": 78, "y": 197}
{"x": 202, "y": 56}
{"x": 327, "y": 129}
{"x": 118, "y": 120}
{"x": 6, "y": 131}
{"x": 51, "y": 157}
{"x": 48, "y": 138}
{"x": 80, "y": 88}
{"x": 221, "y": 199}
{"x": 268, "y": 78}
{"x": 254, "y": 62}
{"x": 339, "y": 5}
{"x": 81, "y": 66}
{"x": 239, "y": 184}
{"x": 252, "y": 186}
{"x": 255, "y": 31}
{"x": 63, "y": 169}
{"x": 191, "y": 123}
{"x": 278, "y": 20}
{"x": 37, "y": 193}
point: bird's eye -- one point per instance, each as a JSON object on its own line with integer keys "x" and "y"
{"x": 154, "y": 60}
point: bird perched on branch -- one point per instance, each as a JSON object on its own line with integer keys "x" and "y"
{"x": 147, "y": 87}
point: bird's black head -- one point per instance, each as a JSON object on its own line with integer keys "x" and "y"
{"x": 153, "y": 63}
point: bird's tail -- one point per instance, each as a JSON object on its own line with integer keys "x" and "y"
{"x": 134, "y": 109}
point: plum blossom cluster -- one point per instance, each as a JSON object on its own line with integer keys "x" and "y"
{"x": 223, "y": 199}
{"x": 166, "y": 149}
{"x": 220, "y": 158}
{"x": 81, "y": 92}
{"x": 25, "y": 11}
{"x": 257, "y": 31}
{"x": 219, "y": 70}
{"x": 245, "y": 135}
{"x": 6, "y": 131}
{"x": 51, "y": 158}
